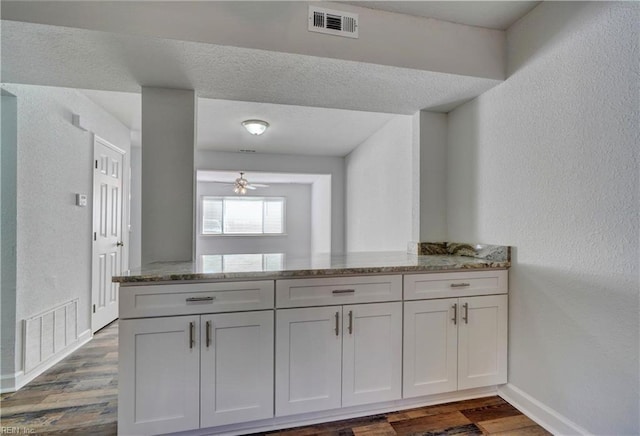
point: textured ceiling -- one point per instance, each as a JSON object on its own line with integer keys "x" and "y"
{"x": 315, "y": 105}
{"x": 498, "y": 15}
{"x": 293, "y": 129}
{"x": 76, "y": 58}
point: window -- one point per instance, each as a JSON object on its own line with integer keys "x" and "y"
{"x": 242, "y": 215}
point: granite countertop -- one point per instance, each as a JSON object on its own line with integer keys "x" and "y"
{"x": 276, "y": 265}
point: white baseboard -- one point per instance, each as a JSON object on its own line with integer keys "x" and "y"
{"x": 542, "y": 414}
{"x": 8, "y": 382}
{"x": 14, "y": 382}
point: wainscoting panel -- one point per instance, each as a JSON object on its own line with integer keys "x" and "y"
{"x": 49, "y": 334}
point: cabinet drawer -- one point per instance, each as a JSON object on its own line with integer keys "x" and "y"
{"x": 337, "y": 290}
{"x": 194, "y": 298}
{"x": 457, "y": 284}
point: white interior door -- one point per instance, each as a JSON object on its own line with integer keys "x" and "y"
{"x": 108, "y": 235}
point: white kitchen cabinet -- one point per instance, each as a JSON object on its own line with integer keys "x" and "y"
{"x": 482, "y": 341}
{"x": 327, "y": 291}
{"x": 236, "y": 369}
{"x": 430, "y": 347}
{"x": 458, "y": 284}
{"x": 371, "y": 353}
{"x": 308, "y": 359}
{"x": 159, "y": 382}
{"x": 154, "y": 300}
{"x": 454, "y": 344}
{"x": 337, "y": 356}
{"x": 186, "y": 372}
{"x": 210, "y": 355}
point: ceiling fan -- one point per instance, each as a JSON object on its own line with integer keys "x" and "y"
{"x": 241, "y": 185}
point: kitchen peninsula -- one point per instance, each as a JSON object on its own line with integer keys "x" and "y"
{"x": 256, "y": 346}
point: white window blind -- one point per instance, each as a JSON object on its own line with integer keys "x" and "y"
{"x": 243, "y": 215}
{"x": 211, "y": 215}
{"x": 273, "y": 216}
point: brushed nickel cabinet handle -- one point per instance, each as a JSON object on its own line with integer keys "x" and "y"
{"x": 192, "y": 299}
{"x": 350, "y": 321}
{"x": 455, "y": 314}
{"x": 343, "y": 291}
{"x": 192, "y": 340}
{"x": 466, "y": 313}
{"x": 460, "y": 285}
{"x": 208, "y": 333}
{"x": 337, "y": 323}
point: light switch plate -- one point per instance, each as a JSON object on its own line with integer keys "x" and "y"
{"x": 81, "y": 200}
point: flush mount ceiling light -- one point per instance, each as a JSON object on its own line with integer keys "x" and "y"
{"x": 255, "y": 127}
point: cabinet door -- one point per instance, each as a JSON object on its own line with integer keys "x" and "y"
{"x": 482, "y": 337}
{"x": 308, "y": 359}
{"x": 236, "y": 368}
{"x": 371, "y": 353}
{"x": 159, "y": 375}
{"x": 430, "y": 347}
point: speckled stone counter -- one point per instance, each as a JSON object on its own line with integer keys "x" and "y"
{"x": 315, "y": 266}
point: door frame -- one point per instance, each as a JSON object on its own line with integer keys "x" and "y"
{"x": 125, "y": 218}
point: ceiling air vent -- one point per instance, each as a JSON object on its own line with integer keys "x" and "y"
{"x": 333, "y": 22}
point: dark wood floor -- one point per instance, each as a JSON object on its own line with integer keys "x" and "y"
{"x": 76, "y": 396}
{"x": 79, "y": 396}
{"x": 491, "y": 415}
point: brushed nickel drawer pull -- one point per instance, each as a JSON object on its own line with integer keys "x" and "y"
{"x": 460, "y": 285}
{"x": 350, "y": 321}
{"x": 208, "y": 333}
{"x": 455, "y": 314}
{"x": 466, "y": 313}
{"x": 192, "y": 299}
{"x": 192, "y": 340}
{"x": 343, "y": 291}
{"x": 337, "y": 323}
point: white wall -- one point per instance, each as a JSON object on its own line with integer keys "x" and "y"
{"x": 279, "y": 163}
{"x": 296, "y": 241}
{"x": 8, "y": 225}
{"x": 167, "y": 181}
{"x": 321, "y": 215}
{"x": 135, "y": 234}
{"x": 379, "y": 189}
{"x": 548, "y": 162}
{"x": 432, "y": 133}
{"x": 55, "y": 161}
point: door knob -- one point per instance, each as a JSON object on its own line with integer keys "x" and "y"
{"x": 119, "y": 244}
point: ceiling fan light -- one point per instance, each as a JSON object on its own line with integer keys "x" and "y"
{"x": 255, "y": 127}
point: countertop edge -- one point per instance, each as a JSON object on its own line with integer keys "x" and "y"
{"x": 306, "y": 273}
